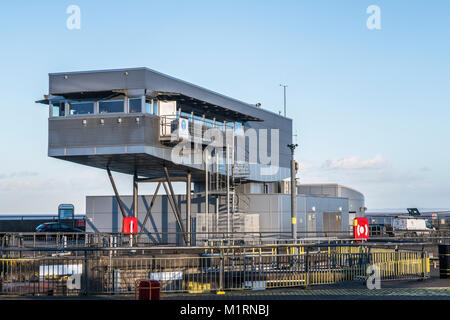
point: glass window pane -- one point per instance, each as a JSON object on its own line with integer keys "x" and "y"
{"x": 76, "y": 108}
{"x": 148, "y": 107}
{"x": 135, "y": 105}
{"x": 58, "y": 109}
{"x": 186, "y": 115}
{"x": 111, "y": 106}
{"x": 155, "y": 108}
{"x": 238, "y": 129}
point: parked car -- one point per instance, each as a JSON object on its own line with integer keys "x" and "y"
{"x": 57, "y": 227}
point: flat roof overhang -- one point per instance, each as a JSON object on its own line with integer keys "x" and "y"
{"x": 189, "y": 104}
{"x": 84, "y": 96}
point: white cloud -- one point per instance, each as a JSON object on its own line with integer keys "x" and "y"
{"x": 355, "y": 162}
{"x": 19, "y": 174}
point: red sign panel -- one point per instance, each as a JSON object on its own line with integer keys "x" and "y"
{"x": 361, "y": 228}
{"x": 130, "y": 225}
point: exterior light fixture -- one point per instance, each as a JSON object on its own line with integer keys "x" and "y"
{"x": 102, "y": 121}
{"x": 66, "y": 77}
{"x": 340, "y": 209}
{"x": 119, "y": 120}
{"x": 84, "y": 122}
{"x": 313, "y": 209}
{"x": 138, "y": 120}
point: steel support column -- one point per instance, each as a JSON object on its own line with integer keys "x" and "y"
{"x": 175, "y": 204}
{"x": 122, "y": 210}
{"x": 149, "y": 210}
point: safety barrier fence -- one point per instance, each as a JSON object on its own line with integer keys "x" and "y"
{"x": 107, "y": 240}
{"x": 195, "y": 270}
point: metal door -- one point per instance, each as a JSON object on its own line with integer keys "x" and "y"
{"x": 332, "y": 224}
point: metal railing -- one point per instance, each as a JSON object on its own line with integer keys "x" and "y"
{"x": 145, "y": 239}
{"x": 92, "y": 271}
{"x": 116, "y": 239}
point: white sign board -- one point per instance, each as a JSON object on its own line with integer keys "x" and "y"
{"x": 183, "y": 129}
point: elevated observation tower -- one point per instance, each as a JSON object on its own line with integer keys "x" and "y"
{"x": 161, "y": 129}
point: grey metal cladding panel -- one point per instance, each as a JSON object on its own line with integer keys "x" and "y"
{"x": 266, "y": 207}
{"x": 328, "y": 190}
{"x": 351, "y": 194}
{"x": 284, "y": 126}
{"x": 260, "y": 203}
{"x": 97, "y": 80}
{"x": 304, "y": 189}
{"x": 151, "y": 136}
{"x": 106, "y": 216}
{"x": 70, "y": 132}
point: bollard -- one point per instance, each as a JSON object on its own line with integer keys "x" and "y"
{"x": 444, "y": 261}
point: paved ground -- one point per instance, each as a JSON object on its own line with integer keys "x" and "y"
{"x": 429, "y": 289}
{"x": 434, "y": 289}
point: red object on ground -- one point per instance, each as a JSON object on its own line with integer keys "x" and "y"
{"x": 130, "y": 225}
{"x": 148, "y": 290}
{"x": 361, "y": 228}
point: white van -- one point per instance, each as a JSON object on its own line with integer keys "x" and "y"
{"x": 402, "y": 225}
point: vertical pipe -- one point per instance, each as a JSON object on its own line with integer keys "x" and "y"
{"x": 293, "y": 199}
{"x": 228, "y": 191}
{"x": 135, "y": 195}
{"x": 293, "y": 194}
{"x": 233, "y": 143}
{"x": 188, "y": 207}
{"x": 221, "y": 270}
{"x": 217, "y": 171}
{"x": 206, "y": 192}
{"x": 66, "y": 109}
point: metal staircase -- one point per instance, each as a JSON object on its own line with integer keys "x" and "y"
{"x": 229, "y": 215}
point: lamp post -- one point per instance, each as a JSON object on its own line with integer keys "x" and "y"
{"x": 284, "y": 90}
{"x": 293, "y": 193}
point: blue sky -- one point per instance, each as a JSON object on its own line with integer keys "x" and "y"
{"x": 371, "y": 107}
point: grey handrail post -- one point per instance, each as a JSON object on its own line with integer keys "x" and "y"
{"x": 221, "y": 270}
{"x": 424, "y": 266}
{"x": 396, "y": 260}
{"x": 306, "y": 261}
{"x": 86, "y": 277}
